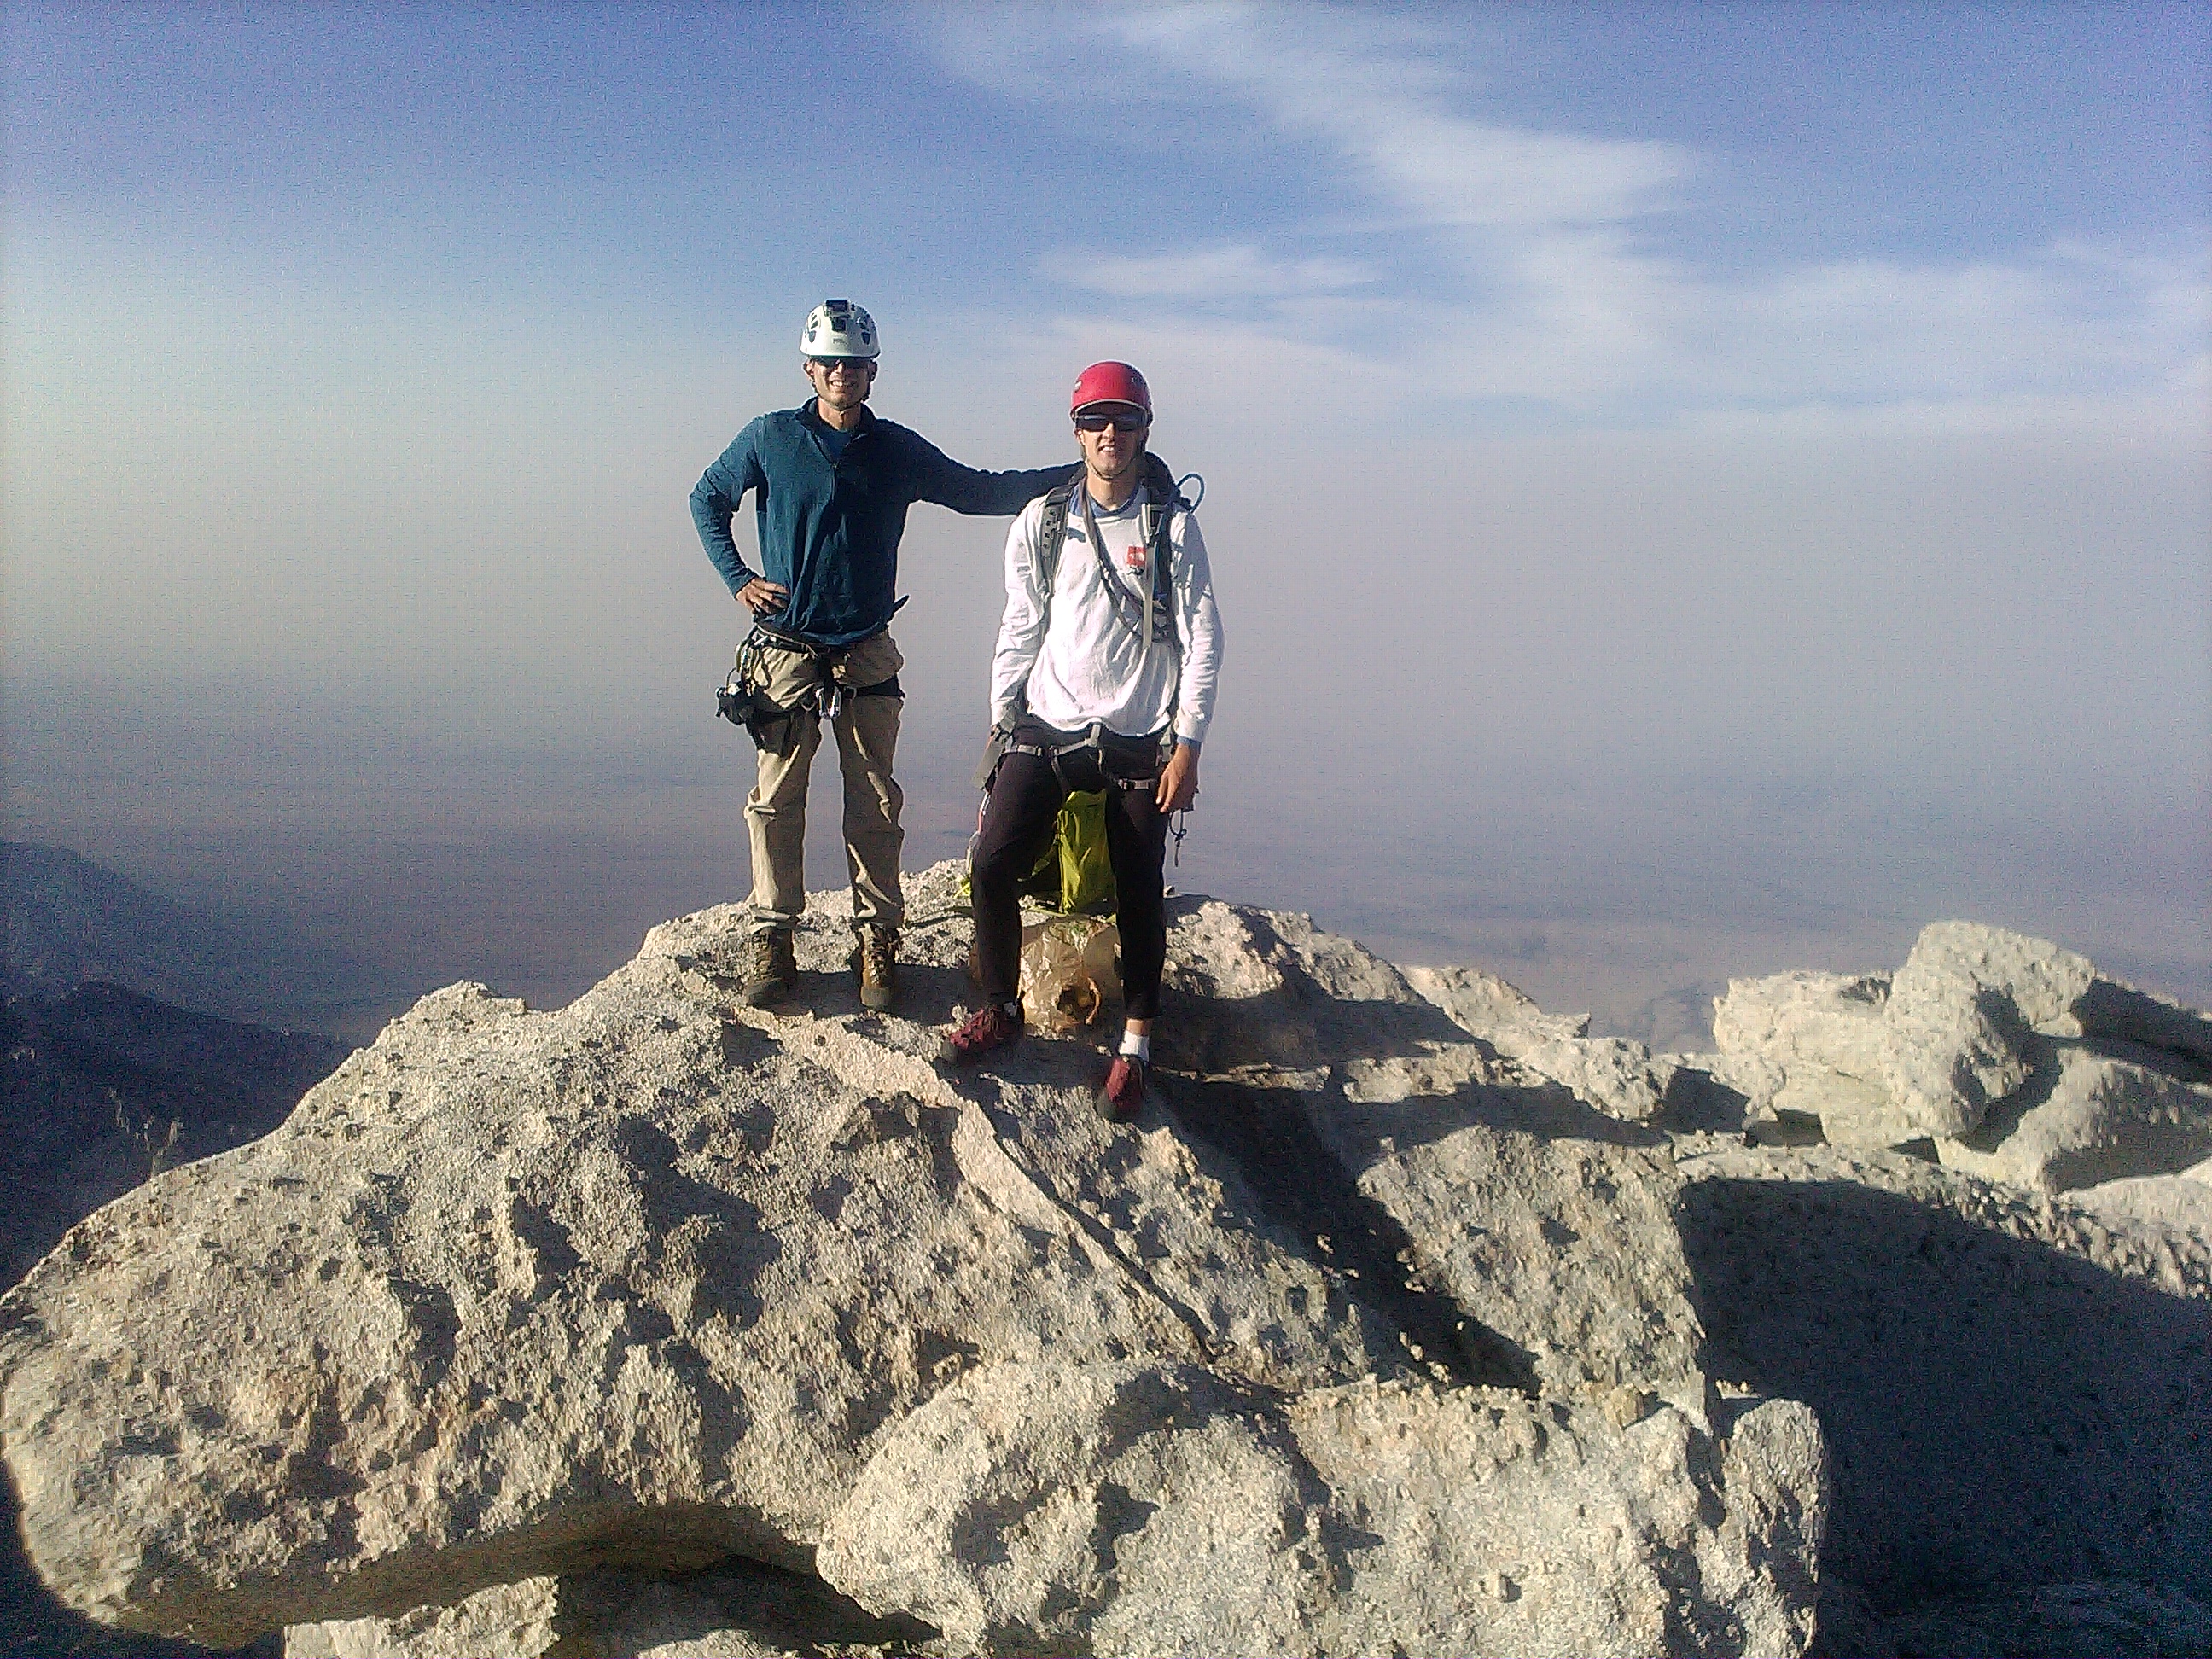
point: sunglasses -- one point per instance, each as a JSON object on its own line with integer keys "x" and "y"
{"x": 831, "y": 365}
{"x": 1119, "y": 423}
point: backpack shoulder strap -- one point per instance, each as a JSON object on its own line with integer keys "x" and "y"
{"x": 1162, "y": 549}
{"x": 1161, "y": 482}
{"x": 1052, "y": 536}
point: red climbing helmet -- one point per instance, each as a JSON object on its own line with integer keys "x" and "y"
{"x": 1108, "y": 384}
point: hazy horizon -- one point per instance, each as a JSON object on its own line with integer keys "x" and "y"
{"x": 1632, "y": 897}
{"x": 1693, "y": 491}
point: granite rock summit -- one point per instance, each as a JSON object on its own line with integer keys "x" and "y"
{"x": 1406, "y": 1318}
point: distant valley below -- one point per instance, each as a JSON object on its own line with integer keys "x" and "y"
{"x": 1637, "y": 909}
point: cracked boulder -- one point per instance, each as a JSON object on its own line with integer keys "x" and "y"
{"x": 1120, "y": 1509}
{"x": 2007, "y": 1056}
{"x": 1540, "y": 1224}
{"x": 660, "y": 1326}
{"x": 652, "y": 1284}
{"x": 2090, "y": 1118}
{"x": 2057, "y": 993}
{"x": 1881, "y": 1062}
{"x": 1475, "y": 1521}
{"x": 1966, "y": 1009}
{"x": 1563, "y": 1246}
{"x": 1951, "y": 1048}
{"x": 1810, "y": 1046}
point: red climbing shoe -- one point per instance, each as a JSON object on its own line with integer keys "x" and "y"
{"x": 1124, "y": 1092}
{"x": 992, "y": 1026}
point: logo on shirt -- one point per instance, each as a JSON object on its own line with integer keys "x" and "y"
{"x": 1133, "y": 557}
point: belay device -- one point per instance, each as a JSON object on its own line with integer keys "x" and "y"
{"x": 734, "y": 701}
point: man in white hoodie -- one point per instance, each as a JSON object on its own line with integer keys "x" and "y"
{"x": 1103, "y": 678}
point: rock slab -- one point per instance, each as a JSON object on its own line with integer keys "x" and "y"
{"x": 1141, "y": 1511}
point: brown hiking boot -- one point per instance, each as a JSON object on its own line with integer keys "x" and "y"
{"x": 875, "y": 961}
{"x": 771, "y": 969}
{"x": 992, "y": 1026}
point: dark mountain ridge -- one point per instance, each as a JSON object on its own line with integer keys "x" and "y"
{"x": 104, "y": 1088}
{"x": 71, "y": 921}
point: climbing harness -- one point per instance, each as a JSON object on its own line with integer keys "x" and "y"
{"x": 737, "y": 703}
{"x": 1096, "y": 737}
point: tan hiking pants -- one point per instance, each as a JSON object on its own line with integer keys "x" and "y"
{"x": 867, "y": 736}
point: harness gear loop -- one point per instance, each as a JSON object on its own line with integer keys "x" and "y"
{"x": 1093, "y": 739}
{"x": 736, "y": 702}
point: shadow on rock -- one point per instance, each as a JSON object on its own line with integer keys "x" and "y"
{"x": 32, "y": 1620}
{"x": 736, "y": 1606}
{"x": 1267, "y": 1134}
{"x": 1999, "y": 1413}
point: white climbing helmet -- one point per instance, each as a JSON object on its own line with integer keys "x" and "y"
{"x": 838, "y": 328}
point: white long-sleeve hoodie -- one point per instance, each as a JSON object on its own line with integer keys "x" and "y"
{"x": 1075, "y": 662}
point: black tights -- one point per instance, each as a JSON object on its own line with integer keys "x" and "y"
{"x": 1018, "y": 823}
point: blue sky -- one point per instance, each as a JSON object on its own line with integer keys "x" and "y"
{"x": 1309, "y": 168}
{"x": 1756, "y": 394}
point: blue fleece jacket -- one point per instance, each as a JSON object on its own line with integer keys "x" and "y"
{"x": 830, "y": 529}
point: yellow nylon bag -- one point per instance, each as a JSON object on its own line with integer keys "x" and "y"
{"x": 1075, "y": 873}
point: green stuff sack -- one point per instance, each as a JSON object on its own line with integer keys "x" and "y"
{"x": 1074, "y": 874}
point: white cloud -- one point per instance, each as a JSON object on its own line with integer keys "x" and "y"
{"x": 1241, "y": 270}
{"x": 1373, "y": 87}
{"x": 1370, "y": 86}
{"x": 1541, "y": 272}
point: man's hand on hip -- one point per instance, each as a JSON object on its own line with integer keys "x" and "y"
{"x": 761, "y": 596}
{"x": 1178, "y": 785}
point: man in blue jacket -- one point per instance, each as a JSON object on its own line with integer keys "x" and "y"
{"x": 832, "y": 485}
